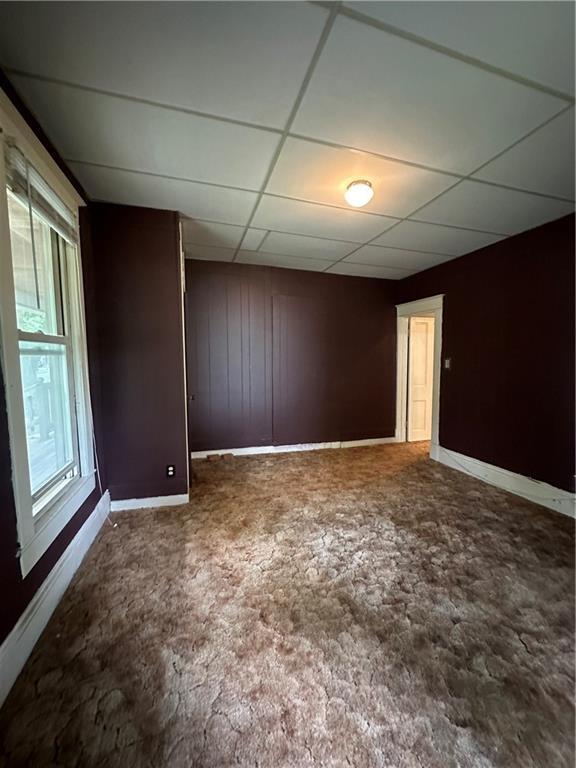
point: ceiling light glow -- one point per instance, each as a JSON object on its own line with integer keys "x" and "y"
{"x": 359, "y": 193}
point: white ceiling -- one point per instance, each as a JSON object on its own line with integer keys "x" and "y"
{"x": 251, "y": 118}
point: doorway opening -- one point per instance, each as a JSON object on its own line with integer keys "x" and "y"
{"x": 418, "y": 375}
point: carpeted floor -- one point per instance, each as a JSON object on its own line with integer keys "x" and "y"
{"x": 359, "y": 607}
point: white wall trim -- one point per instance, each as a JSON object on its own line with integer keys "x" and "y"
{"x": 434, "y": 307}
{"x": 48, "y": 526}
{"x": 534, "y": 490}
{"x": 402, "y": 326}
{"x": 153, "y": 501}
{"x": 420, "y": 305}
{"x": 290, "y": 448}
{"x": 18, "y": 646}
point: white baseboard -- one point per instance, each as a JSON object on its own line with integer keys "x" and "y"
{"x": 119, "y": 505}
{"x": 18, "y": 646}
{"x": 289, "y": 448}
{"x": 366, "y": 441}
{"x": 533, "y": 490}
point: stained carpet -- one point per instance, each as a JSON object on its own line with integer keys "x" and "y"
{"x": 358, "y": 607}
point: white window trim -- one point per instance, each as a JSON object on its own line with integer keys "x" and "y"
{"x": 36, "y": 534}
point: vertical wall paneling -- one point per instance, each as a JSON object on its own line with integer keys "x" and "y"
{"x": 280, "y": 356}
{"x": 228, "y": 341}
{"x": 304, "y": 389}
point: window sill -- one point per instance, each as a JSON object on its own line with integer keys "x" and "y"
{"x": 52, "y": 521}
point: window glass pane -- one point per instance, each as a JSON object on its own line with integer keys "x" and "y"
{"x": 36, "y": 276}
{"x": 46, "y": 410}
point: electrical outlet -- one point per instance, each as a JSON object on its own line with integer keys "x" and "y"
{"x": 170, "y": 470}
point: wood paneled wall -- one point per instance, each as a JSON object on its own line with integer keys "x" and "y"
{"x": 278, "y": 357}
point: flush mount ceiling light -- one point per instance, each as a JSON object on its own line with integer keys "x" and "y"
{"x": 359, "y": 193}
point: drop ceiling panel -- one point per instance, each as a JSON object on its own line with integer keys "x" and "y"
{"x": 379, "y": 92}
{"x": 307, "y": 247}
{"x": 321, "y": 174}
{"x": 530, "y": 39}
{"x": 382, "y": 95}
{"x": 318, "y": 220}
{"x": 196, "y": 232}
{"x": 241, "y": 60}
{"x": 364, "y": 270}
{"x": 101, "y": 129}
{"x": 544, "y": 162}
{"x": 253, "y": 239}
{"x": 200, "y": 201}
{"x": 208, "y": 253}
{"x": 435, "y": 238}
{"x": 276, "y": 260}
{"x": 394, "y": 257}
{"x": 482, "y": 206}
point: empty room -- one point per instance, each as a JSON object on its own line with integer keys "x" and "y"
{"x": 287, "y": 384}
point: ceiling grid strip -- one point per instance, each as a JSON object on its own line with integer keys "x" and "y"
{"x": 298, "y": 100}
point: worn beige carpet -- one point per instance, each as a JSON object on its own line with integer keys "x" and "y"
{"x": 359, "y": 607}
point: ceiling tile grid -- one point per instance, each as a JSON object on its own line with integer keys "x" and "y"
{"x": 493, "y": 37}
{"x": 209, "y": 253}
{"x": 252, "y": 118}
{"x": 244, "y": 60}
{"x": 369, "y": 270}
{"x": 435, "y": 238}
{"x": 303, "y": 218}
{"x": 492, "y": 209}
{"x": 277, "y": 260}
{"x": 253, "y": 239}
{"x": 195, "y": 200}
{"x": 407, "y": 101}
{"x": 195, "y": 232}
{"x": 398, "y": 188}
{"x": 381, "y": 256}
{"x": 543, "y": 162}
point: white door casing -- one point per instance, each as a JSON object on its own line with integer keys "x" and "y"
{"x": 420, "y": 378}
{"x": 431, "y": 306}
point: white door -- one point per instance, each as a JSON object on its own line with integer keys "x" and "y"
{"x": 420, "y": 378}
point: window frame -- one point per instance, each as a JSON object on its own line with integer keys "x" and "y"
{"x": 60, "y": 272}
{"x": 37, "y": 531}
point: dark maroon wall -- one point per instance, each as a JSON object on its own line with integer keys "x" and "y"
{"x": 279, "y": 356}
{"x": 137, "y": 287}
{"x": 508, "y": 328}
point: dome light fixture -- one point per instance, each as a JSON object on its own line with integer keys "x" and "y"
{"x": 359, "y": 193}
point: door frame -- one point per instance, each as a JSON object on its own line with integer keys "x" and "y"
{"x": 433, "y": 307}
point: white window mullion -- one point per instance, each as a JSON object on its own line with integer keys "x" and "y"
{"x": 58, "y": 477}
{"x": 44, "y": 338}
{"x": 67, "y": 294}
{"x": 73, "y": 403}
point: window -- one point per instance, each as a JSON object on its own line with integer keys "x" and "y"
{"x": 44, "y": 357}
